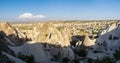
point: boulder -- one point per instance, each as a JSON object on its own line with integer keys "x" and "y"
{"x": 67, "y": 52}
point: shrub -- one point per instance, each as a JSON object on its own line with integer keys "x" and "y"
{"x": 95, "y": 51}
{"x": 76, "y": 61}
{"x": 46, "y": 35}
{"x": 117, "y": 55}
{"x": 27, "y": 59}
{"x": 105, "y": 59}
{"x": 30, "y": 59}
{"x": 59, "y": 28}
{"x": 65, "y": 60}
{"x": 73, "y": 43}
{"x": 97, "y": 61}
{"x": 82, "y": 53}
{"x": 89, "y": 60}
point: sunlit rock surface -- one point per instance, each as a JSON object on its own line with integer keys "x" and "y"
{"x": 49, "y": 44}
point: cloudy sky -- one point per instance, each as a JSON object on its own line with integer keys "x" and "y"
{"x": 41, "y": 10}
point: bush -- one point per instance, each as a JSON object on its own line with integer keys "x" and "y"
{"x": 104, "y": 60}
{"x": 97, "y": 61}
{"x": 117, "y": 55}
{"x": 59, "y": 28}
{"x": 30, "y": 59}
{"x": 73, "y": 43}
{"x": 82, "y": 53}
{"x": 89, "y": 60}
{"x": 27, "y": 59}
{"x": 76, "y": 61}
{"x": 107, "y": 60}
{"x": 65, "y": 60}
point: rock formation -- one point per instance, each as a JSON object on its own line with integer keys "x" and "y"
{"x": 87, "y": 41}
{"x": 7, "y": 28}
{"x": 107, "y": 42}
{"x": 41, "y": 34}
{"x": 67, "y": 52}
{"x": 16, "y": 60}
{"x": 50, "y": 43}
{"x": 14, "y": 35}
{"x": 32, "y": 48}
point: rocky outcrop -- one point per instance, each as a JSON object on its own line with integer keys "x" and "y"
{"x": 9, "y": 41}
{"x": 106, "y": 43}
{"x": 7, "y": 28}
{"x": 14, "y": 34}
{"x": 67, "y": 52}
{"x": 33, "y": 48}
{"x": 87, "y": 41}
{"x": 42, "y": 33}
{"x": 110, "y": 40}
{"x": 16, "y": 60}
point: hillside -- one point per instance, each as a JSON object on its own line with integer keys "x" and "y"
{"x": 57, "y": 42}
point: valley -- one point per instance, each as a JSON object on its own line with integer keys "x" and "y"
{"x": 60, "y": 42}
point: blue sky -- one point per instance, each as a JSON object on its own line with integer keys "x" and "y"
{"x": 17, "y": 10}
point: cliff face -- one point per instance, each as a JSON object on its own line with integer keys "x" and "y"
{"x": 110, "y": 39}
{"x": 107, "y": 43}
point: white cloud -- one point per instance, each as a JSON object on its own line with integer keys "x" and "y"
{"x": 30, "y": 16}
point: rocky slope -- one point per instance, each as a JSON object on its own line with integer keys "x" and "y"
{"x": 48, "y": 44}
{"x": 52, "y": 39}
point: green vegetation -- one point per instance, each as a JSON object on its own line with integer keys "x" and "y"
{"x": 83, "y": 32}
{"x": 117, "y": 55}
{"x": 73, "y": 43}
{"x": 65, "y": 60}
{"x": 89, "y": 60}
{"x": 46, "y": 35}
{"x": 59, "y": 28}
{"x": 97, "y": 61}
{"x": 27, "y": 59}
{"x": 105, "y": 59}
{"x": 82, "y": 53}
{"x": 76, "y": 61}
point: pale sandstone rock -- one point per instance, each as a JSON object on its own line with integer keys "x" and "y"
{"x": 87, "y": 41}
{"x": 33, "y": 48}
{"x": 7, "y": 28}
{"x": 42, "y": 33}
